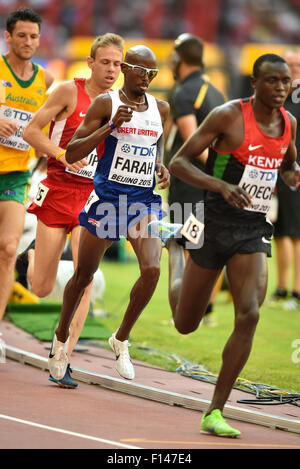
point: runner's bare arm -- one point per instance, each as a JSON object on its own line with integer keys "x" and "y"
{"x": 59, "y": 105}
{"x": 55, "y": 108}
{"x": 49, "y": 79}
{"x": 95, "y": 127}
{"x": 216, "y": 127}
{"x": 289, "y": 169}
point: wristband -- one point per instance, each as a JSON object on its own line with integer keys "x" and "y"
{"x": 111, "y": 124}
{"x": 61, "y": 153}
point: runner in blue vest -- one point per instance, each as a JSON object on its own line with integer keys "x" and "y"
{"x": 130, "y": 121}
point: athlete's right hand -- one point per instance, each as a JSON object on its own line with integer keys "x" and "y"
{"x": 236, "y": 196}
{"x": 123, "y": 114}
{"x": 7, "y": 128}
{"x": 74, "y": 166}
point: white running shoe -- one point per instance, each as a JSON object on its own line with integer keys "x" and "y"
{"x": 293, "y": 304}
{"x": 123, "y": 363}
{"x": 209, "y": 320}
{"x": 58, "y": 359}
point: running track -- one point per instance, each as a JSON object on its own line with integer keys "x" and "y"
{"x": 36, "y": 414}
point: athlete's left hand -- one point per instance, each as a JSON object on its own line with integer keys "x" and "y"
{"x": 163, "y": 174}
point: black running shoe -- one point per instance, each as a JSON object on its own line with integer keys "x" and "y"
{"x": 66, "y": 381}
{"x": 22, "y": 265}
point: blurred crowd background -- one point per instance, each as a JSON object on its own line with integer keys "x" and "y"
{"x": 235, "y": 32}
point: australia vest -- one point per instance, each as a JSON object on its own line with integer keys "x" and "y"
{"x": 19, "y": 100}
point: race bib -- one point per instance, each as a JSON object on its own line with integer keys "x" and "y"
{"x": 89, "y": 170}
{"x": 133, "y": 165}
{"x": 260, "y": 184}
{"x": 192, "y": 229}
{"x": 21, "y": 118}
{"x": 42, "y": 191}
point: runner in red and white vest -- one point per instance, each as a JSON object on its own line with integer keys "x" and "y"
{"x": 62, "y": 195}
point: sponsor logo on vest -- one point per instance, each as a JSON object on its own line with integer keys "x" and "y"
{"x": 17, "y": 114}
{"x": 253, "y": 147}
{"x": 140, "y": 151}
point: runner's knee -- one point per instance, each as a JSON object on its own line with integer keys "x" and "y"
{"x": 150, "y": 273}
{"x": 247, "y": 319}
{"x": 8, "y": 251}
{"x": 184, "y": 327}
{"x": 41, "y": 289}
{"x": 81, "y": 278}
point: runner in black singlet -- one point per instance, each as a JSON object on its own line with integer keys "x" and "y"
{"x": 249, "y": 141}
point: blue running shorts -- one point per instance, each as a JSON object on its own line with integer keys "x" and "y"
{"x": 111, "y": 219}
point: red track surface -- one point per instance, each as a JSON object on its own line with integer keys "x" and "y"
{"x": 37, "y": 414}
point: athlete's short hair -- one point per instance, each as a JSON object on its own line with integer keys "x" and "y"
{"x": 22, "y": 14}
{"x": 273, "y": 58}
{"x": 190, "y": 49}
{"x": 108, "y": 39}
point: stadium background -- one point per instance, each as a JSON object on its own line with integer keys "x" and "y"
{"x": 235, "y": 32}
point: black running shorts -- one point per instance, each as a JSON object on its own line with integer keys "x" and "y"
{"x": 288, "y": 219}
{"x": 222, "y": 241}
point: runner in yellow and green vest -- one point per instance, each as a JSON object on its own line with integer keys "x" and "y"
{"x": 23, "y": 86}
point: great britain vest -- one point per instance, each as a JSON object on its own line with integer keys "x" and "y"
{"x": 128, "y": 162}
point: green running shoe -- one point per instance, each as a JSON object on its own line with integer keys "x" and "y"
{"x": 215, "y": 424}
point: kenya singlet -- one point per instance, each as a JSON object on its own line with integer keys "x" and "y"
{"x": 253, "y": 166}
{"x": 61, "y": 133}
{"x": 19, "y": 100}
{"x": 128, "y": 162}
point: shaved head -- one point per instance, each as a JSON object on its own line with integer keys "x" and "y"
{"x": 140, "y": 54}
{"x": 139, "y": 69}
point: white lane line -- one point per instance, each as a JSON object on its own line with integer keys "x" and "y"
{"x": 67, "y": 432}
